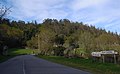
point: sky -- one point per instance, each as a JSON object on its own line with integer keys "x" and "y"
{"x": 100, "y": 13}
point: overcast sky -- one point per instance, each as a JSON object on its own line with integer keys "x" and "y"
{"x": 101, "y": 13}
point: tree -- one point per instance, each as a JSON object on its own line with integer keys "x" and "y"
{"x": 58, "y": 51}
{"x": 33, "y": 43}
{"x": 46, "y": 37}
{"x": 106, "y": 41}
{"x": 59, "y": 39}
{"x": 85, "y": 41}
{"x": 4, "y": 11}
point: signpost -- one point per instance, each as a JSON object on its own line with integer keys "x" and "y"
{"x": 96, "y": 54}
{"x": 109, "y": 52}
{"x": 103, "y": 53}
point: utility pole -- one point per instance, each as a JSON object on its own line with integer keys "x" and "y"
{"x": 38, "y": 43}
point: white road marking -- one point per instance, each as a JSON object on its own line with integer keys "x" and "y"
{"x": 24, "y": 67}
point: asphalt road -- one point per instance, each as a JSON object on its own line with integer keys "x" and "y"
{"x": 28, "y": 64}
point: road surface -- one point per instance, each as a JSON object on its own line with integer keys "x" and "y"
{"x": 28, "y": 64}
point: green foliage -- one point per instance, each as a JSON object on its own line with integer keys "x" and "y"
{"x": 15, "y": 34}
{"x": 53, "y": 33}
{"x": 4, "y": 58}
{"x": 17, "y": 51}
{"x": 14, "y": 52}
{"x": 58, "y": 51}
{"x": 46, "y": 38}
{"x": 10, "y": 35}
{"x": 79, "y": 52}
{"x": 105, "y": 41}
{"x": 33, "y": 43}
{"x": 59, "y": 39}
{"x": 73, "y": 35}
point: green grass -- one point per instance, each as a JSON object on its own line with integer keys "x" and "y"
{"x": 86, "y": 64}
{"x": 15, "y": 52}
{"x": 4, "y": 58}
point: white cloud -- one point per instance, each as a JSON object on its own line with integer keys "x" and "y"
{"x": 80, "y": 4}
{"x": 38, "y": 9}
{"x": 101, "y": 13}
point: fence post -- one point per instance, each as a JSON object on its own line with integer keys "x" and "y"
{"x": 103, "y": 58}
{"x": 114, "y": 58}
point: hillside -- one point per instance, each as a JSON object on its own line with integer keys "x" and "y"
{"x": 57, "y": 37}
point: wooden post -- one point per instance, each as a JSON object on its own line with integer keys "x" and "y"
{"x": 114, "y": 59}
{"x": 74, "y": 52}
{"x": 103, "y": 58}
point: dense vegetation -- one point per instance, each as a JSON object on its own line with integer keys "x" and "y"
{"x": 57, "y": 37}
{"x": 15, "y": 34}
{"x": 72, "y": 39}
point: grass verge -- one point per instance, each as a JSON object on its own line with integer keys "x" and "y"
{"x": 85, "y": 64}
{"x": 18, "y": 51}
{"x": 4, "y": 58}
{"x": 15, "y": 52}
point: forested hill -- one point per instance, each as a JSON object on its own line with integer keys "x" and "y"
{"x": 15, "y": 34}
{"x": 59, "y": 36}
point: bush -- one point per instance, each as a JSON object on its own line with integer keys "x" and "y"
{"x": 58, "y": 51}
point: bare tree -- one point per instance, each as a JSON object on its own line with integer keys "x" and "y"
{"x": 4, "y": 11}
